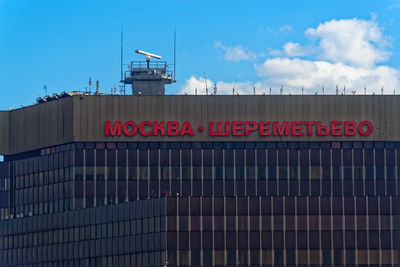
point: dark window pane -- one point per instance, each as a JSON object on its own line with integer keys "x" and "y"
{"x": 336, "y": 157}
{"x": 304, "y": 173}
{"x": 315, "y": 157}
{"x": 358, "y": 157}
{"x": 121, "y": 157}
{"x": 347, "y": 157}
{"x": 272, "y": 172}
{"x": 143, "y": 157}
{"x": 89, "y": 158}
{"x": 186, "y": 158}
{"x": 261, "y": 157}
{"x": 325, "y": 157}
{"x": 282, "y": 157}
{"x": 379, "y": 156}
{"x": 369, "y": 156}
{"x": 228, "y": 157}
{"x": 78, "y": 158}
{"x": 207, "y": 157}
{"x": 304, "y": 157}
{"x": 293, "y": 157}
{"x": 153, "y": 158}
{"x": 111, "y": 157}
{"x": 272, "y": 157}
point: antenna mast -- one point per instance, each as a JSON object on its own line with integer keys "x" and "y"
{"x": 122, "y": 54}
{"x": 175, "y": 54}
{"x": 205, "y": 80}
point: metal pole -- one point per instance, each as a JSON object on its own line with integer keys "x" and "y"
{"x": 205, "y": 79}
{"x": 175, "y": 54}
{"x": 122, "y": 53}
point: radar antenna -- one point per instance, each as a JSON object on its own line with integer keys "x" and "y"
{"x": 148, "y": 56}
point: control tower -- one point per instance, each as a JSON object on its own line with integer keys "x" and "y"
{"x": 148, "y": 78}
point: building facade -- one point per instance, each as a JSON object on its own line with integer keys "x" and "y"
{"x": 201, "y": 181}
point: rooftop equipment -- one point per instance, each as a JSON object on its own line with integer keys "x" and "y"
{"x": 146, "y": 77}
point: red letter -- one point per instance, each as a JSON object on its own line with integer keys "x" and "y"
{"x": 212, "y": 133}
{"x": 237, "y": 126}
{"x": 309, "y": 127}
{"x": 173, "y": 128}
{"x": 361, "y": 128}
{"x": 277, "y": 130}
{"x": 157, "y": 128}
{"x": 227, "y": 129}
{"x": 264, "y": 128}
{"x": 219, "y": 131}
{"x": 141, "y": 125}
{"x": 187, "y": 129}
{"x": 250, "y": 126}
{"x": 322, "y": 130}
{"x": 134, "y": 128}
{"x": 350, "y": 128}
{"x": 296, "y": 128}
{"x": 116, "y": 130}
{"x": 335, "y": 128}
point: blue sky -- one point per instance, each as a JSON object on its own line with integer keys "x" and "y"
{"x": 239, "y": 44}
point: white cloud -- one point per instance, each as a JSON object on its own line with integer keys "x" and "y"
{"x": 296, "y": 72}
{"x": 223, "y": 88}
{"x": 285, "y": 28}
{"x": 351, "y": 41}
{"x": 235, "y": 53}
{"x": 348, "y": 50}
{"x": 291, "y": 49}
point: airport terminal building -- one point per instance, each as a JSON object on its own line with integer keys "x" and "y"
{"x": 156, "y": 180}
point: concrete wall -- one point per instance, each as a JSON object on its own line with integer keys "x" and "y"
{"x": 40, "y": 126}
{"x": 83, "y": 118}
{"x": 4, "y": 136}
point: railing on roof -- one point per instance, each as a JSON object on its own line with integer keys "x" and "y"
{"x": 152, "y": 65}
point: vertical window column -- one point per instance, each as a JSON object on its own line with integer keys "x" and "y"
{"x": 207, "y": 170}
{"x": 143, "y": 170}
{"x": 100, "y": 173}
{"x": 122, "y": 187}
{"x": 132, "y": 171}
{"x": 111, "y": 170}
{"x": 89, "y": 169}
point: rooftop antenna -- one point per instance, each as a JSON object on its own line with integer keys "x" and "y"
{"x": 323, "y": 89}
{"x": 344, "y": 90}
{"x": 205, "y": 80}
{"x": 45, "y": 89}
{"x": 233, "y": 90}
{"x": 175, "y": 54}
{"x": 90, "y": 84}
{"x": 382, "y": 90}
{"x": 122, "y": 54}
{"x": 195, "y": 90}
{"x": 148, "y": 56}
{"x": 254, "y": 90}
{"x": 215, "y": 89}
{"x": 302, "y": 90}
{"x": 337, "y": 89}
{"x": 270, "y": 91}
{"x": 365, "y": 89}
{"x": 281, "y": 91}
{"x": 97, "y": 87}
